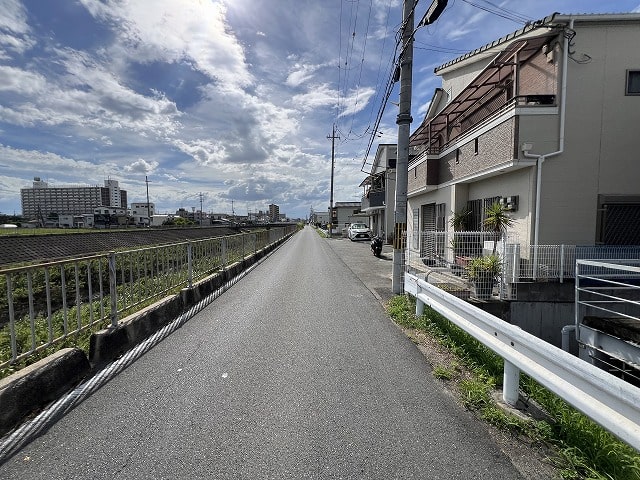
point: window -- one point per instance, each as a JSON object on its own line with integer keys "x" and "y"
{"x": 457, "y": 155}
{"x": 633, "y": 82}
{"x": 475, "y": 146}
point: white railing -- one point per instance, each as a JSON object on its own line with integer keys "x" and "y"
{"x": 50, "y": 303}
{"x": 521, "y": 263}
{"x": 607, "y": 400}
{"x": 607, "y": 314}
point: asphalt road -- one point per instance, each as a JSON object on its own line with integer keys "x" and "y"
{"x": 295, "y": 372}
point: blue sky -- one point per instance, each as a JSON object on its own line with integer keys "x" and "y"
{"x": 231, "y": 99}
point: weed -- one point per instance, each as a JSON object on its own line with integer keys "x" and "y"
{"x": 584, "y": 449}
{"x": 445, "y": 372}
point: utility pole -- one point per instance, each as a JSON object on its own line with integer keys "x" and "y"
{"x": 146, "y": 180}
{"x": 403, "y": 121}
{"x": 333, "y": 162}
{"x": 201, "y": 218}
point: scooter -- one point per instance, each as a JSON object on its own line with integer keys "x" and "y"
{"x": 376, "y": 245}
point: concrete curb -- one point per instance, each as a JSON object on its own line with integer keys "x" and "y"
{"x": 40, "y": 383}
{"x": 35, "y": 386}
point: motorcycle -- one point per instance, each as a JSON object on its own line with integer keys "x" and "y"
{"x": 376, "y": 245}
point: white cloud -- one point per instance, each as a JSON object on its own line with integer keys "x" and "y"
{"x": 317, "y": 96}
{"x": 357, "y": 101}
{"x": 204, "y": 152}
{"x": 178, "y": 30}
{"x": 14, "y": 30}
{"x": 301, "y": 73}
{"x": 141, "y": 166}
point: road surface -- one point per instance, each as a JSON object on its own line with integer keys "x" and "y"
{"x": 296, "y": 372}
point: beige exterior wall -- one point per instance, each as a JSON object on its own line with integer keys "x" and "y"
{"x": 601, "y": 130}
{"x": 520, "y": 182}
{"x": 600, "y": 155}
{"x": 455, "y": 81}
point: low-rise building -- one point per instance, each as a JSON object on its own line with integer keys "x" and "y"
{"x": 142, "y": 213}
{"x": 544, "y": 121}
{"x": 379, "y": 199}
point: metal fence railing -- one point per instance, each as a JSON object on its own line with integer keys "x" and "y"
{"x": 451, "y": 252}
{"x": 607, "y": 315}
{"x": 52, "y": 303}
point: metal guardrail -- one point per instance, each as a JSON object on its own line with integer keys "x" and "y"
{"x": 51, "y": 303}
{"x": 607, "y": 400}
{"x": 607, "y": 314}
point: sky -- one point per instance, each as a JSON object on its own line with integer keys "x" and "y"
{"x": 231, "y": 103}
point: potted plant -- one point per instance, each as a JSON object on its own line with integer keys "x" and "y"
{"x": 497, "y": 220}
{"x": 483, "y": 272}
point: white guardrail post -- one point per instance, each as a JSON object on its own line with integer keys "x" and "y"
{"x": 607, "y": 400}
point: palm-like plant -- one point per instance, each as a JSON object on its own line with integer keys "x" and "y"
{"x": 497, "y": 220}
{"x": 460, "y": 220}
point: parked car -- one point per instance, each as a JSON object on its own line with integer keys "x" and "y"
{"x": 358, "y": 231}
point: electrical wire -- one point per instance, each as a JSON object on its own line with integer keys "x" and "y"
{"x": 500, "y": 11}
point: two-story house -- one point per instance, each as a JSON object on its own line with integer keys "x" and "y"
{"x": 379, "y": 197}
{"x": 543, "y": 120}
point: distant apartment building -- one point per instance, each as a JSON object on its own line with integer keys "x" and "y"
{"x": 274, "y": 213}
{"x": 41, "y": 200}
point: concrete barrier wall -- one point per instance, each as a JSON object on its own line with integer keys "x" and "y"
{"x": 40, "y": 383}
{"x": 33, "y": 387}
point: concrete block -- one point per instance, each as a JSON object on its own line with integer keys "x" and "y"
{"x": 106, "y": 345}
{"x": 33, "y": 387}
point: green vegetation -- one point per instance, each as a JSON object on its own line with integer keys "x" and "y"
{"x": 42, "y": 231}
{"x": 584, "y": 450}
{"x": 497, "y": 220}
{"x": 70, "y": 299}
{"x": 321, "y": 232}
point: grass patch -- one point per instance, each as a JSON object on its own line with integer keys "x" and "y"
{"x": 445, "y": 372}
{"x": 584, "y": 449}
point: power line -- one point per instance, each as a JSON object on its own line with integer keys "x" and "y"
{"x": 500, "y": 11}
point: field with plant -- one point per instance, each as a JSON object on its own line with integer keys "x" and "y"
{"x": 61, "y": 303}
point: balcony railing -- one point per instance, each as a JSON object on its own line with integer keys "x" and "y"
{"x": 483, "y": 114}
{"x": 375, "y": 198}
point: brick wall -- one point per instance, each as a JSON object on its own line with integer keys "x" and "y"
{"x": 538, "y": 76}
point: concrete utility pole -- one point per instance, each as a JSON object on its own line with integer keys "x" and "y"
{"x": 404, "y": 124}
{"x": 333, "y": 162}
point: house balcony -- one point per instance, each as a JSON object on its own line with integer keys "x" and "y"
{"x": 447, "y": 129}
{"x": 373, "y": 200}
